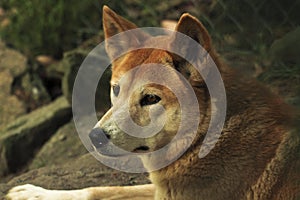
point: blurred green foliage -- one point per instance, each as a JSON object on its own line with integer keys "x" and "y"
{"x": 52, "y": 27}
{"x": 49, "y": 27}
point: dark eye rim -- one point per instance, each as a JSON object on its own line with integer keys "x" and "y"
{"x": 116, "y": 89}
{"x": 149, "y": 99}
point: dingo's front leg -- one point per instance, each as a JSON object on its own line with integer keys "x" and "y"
{"x": 31, "y": 192}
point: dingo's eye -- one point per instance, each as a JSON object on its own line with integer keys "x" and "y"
{"x": 150, "y": 99}
{"x": 116, "y": 90}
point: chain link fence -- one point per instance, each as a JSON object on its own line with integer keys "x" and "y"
{"x": 250, "y": 24}
{"x": 258, "y": 36}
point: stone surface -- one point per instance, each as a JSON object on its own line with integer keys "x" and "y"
{"x": 63, "y": 146}
{"x": 286, "y": 49}
{"x": 30, "y": 88}
{"x": 12, "y": 64}
{"x": 10, "y": 107}
{"x": 72, "y": 62}
{"x": 83, "y": 172}
{"x": 21, "y": 88}
{"x": 22, "y": 137}
{"x": 12, "y": 61}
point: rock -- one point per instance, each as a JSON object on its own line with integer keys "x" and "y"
{"x": 10, "y": 106}
{"x": 72, "y": 62}
{"x": 12, "y": 64}
{"x": 30, "y": 88}
{"x": 83, "y": 172}
{"x": 12, "y": 61}
{"x": 66, "y": 71}
{"x": 57, "y": 69}
{"x": 64, "y": 145}
{"x": 21, "y": 88}
{"x": 22, "y": 137}
{"x": 287, "y": 48}
{"x": 59, "y": 164}
{"x": 45, "y": 60}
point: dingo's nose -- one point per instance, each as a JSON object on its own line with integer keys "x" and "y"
{"x": 98, "y": 137}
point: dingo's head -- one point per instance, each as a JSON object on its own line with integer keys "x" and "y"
{"x": 147, "y": 104}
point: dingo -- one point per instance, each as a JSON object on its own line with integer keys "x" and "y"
{"x": 256, "y": 156}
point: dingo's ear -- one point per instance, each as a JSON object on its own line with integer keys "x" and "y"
{"x": 192, "y": 27}
{"x": 114, "y": 24}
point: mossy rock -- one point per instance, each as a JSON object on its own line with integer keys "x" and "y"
{"x": 287, "y": 48}
{"x": 82, "y": 172}
{"x": 62, "y": 147}
{"x": 72, "y": 62}
{"x": 10, "y": 108}
{"x": 22, "y": 137}
{"x": 12, "y": 65}
{"x": 12, "y": 60}
{"x": 30, "y": 88}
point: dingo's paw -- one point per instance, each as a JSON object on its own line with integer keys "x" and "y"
{"x": 31, "y": 192}
{"x": 28, "y": 192}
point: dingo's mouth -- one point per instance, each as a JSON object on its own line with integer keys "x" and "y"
{"x": 141, "y": 149}
{"x": 110, "y": 150}
{"x": 100, "y": 142}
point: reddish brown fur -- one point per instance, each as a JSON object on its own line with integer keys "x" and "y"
{"x": 257, "y": 155}
{"x": 256, "y": 130}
